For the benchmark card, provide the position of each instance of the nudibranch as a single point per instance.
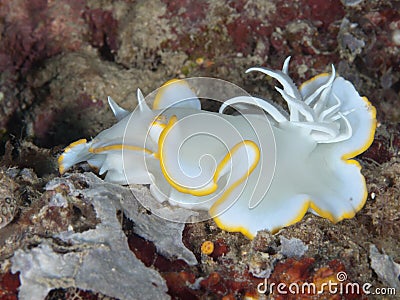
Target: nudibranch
(259, 168)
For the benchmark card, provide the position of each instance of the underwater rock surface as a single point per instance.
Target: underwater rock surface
(100, 259)
(56, 71)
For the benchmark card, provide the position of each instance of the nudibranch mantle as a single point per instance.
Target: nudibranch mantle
(261, 168)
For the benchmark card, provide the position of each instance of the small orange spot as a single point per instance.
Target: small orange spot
(200, 61)
(207, 247)
(208, 63)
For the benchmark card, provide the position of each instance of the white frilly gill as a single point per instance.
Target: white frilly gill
(262, 168)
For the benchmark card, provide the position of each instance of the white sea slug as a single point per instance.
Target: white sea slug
(260, 169)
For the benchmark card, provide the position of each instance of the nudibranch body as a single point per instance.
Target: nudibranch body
(261, 168)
